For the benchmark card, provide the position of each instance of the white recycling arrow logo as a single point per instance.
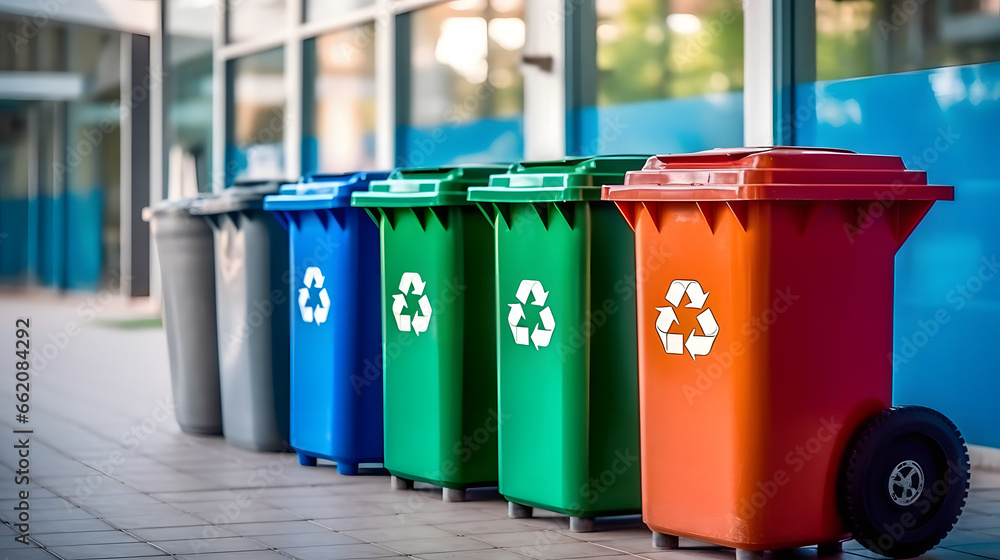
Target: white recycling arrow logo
(675, 343)
(542, 333)
(420, 320)
(314, 279)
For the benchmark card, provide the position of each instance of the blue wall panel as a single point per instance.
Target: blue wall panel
(656, 127)
(945, 121)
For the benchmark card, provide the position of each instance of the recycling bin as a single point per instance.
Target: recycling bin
(185, 249)
(439, 328)
(336, 331)
(251, 284)
(765, 337)
(568, 372)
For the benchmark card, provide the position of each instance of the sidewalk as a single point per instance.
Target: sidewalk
(112, 476)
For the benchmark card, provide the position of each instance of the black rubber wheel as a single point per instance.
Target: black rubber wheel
(904, 481)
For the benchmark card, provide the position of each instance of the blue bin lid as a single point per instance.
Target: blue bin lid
(322, 191)
(239, 197)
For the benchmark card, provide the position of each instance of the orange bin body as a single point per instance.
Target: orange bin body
(743, 431)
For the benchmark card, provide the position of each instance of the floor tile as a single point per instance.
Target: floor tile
(103, 551)
(328, 538)
(988, 550)
(340, 552)
(487, 554)
(248, 555)
(155, 521)
(934, 554)
(181, 533)
(522, 538)
(26, 554)
(249, 516)
(485, 527)
(279, 528)
(442, 544)
(76, 525)
(372, 522)
(90, 537)
(205, 546)
(552, 551)
(397, 533)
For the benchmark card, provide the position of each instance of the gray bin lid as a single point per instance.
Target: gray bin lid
(239, 197)
(171, 207)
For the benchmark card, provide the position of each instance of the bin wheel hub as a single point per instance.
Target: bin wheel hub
(906, 482)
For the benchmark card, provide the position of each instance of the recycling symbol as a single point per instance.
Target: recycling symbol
(542, 333)
(421, 319)
(314, 278)
(675, 343)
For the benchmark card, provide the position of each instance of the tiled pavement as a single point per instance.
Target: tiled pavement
(113, 477)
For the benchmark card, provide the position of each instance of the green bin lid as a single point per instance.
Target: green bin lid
(428, 186)
(566, 180)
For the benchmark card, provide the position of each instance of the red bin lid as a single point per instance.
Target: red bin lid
(775, 173)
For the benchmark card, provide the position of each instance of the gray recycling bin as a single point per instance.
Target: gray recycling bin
(187, 268)
(251, 278)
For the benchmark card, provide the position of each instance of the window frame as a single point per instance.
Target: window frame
(555, 28)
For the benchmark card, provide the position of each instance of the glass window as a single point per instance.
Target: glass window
(461, 91)
(188, 100)
(339, 122)
(256, 114)
(656, 76)
(247, 19)
(324, 9)
(857, 38)
(14, 195)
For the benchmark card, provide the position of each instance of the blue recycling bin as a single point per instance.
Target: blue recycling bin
(336, 333)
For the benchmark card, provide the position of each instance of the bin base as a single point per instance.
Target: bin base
(306, 460)
(201, 430)
(663, 541)
(344, 467)
(452, 495)
(259, 446)
(518, 511)
(749, 554)
(397, 483)
(581, 524)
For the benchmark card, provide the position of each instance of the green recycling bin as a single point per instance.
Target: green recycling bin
(439, 328)
(568, 367)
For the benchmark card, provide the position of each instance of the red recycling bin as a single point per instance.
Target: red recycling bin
(765, 285)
